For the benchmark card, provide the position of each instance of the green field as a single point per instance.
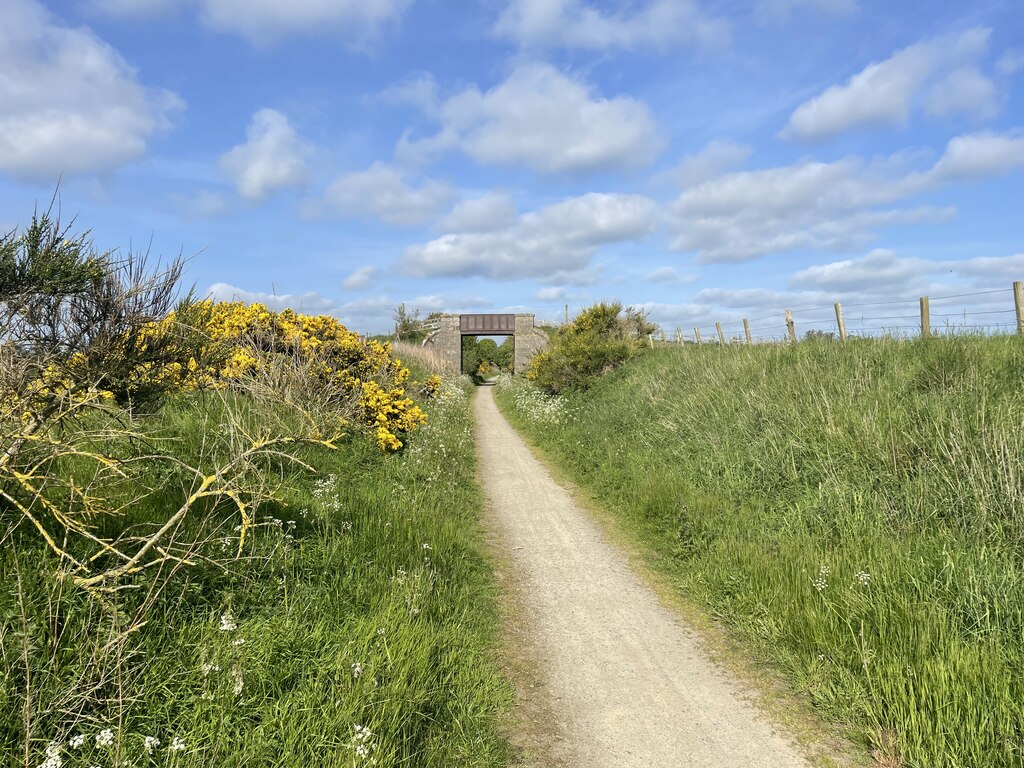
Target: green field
(358, 630)
(851, 512)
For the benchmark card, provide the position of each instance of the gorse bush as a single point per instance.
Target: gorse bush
(149, 448)
(599, 340)
(79, 366)
(243, 337)
(852, 511)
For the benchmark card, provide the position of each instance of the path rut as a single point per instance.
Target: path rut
(629, 681)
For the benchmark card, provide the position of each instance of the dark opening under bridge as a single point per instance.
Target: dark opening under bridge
(447, 339)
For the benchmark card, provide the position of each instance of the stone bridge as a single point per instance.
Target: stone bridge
(447, 339)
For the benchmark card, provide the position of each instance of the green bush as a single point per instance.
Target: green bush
(599, 340)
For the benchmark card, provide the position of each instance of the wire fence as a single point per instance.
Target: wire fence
(989, 312)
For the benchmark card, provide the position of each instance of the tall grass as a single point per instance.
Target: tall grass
(357, 631)
(428, 358)
(853, 512)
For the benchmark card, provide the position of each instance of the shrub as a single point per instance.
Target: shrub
(90, 350)
(599, 340)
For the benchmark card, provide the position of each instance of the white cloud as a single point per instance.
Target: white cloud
(882, 274)
(376, 314)
(964, 91)
(560, 238)
(420, 91)
(546, 120)
(382, 192)
(860, 284)
(494, 210)
(883, 92)
(360, 279)
(310, 302)
(551, 293)
(272, 158)
(71, 103)
(133, 7)
(589, 275)
(204, 204)
(979, 156)
(670, 275)
(881, 270)
(576, 24)
(988, 269)
(827, 206)
(683, 316)
(268, 21)
(810, 205)
(1011, 62)
(716, 158)
(769, 10)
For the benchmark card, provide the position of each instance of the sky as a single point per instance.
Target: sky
(706, 160)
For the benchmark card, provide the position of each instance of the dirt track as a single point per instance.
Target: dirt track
(626, 678)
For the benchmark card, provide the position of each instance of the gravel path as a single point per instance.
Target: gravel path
(629, 682)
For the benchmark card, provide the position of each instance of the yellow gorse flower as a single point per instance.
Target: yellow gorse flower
(363, 367)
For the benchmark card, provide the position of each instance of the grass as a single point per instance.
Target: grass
(361, 634)
(851, 512)
(426, 357)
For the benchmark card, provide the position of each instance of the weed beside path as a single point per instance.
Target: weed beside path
(360, 632)
(850, 512)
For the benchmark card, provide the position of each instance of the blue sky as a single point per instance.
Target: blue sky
(707, 160)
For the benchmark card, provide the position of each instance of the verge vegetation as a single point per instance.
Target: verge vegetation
(597, 341)
(228, 536)
(852, 512)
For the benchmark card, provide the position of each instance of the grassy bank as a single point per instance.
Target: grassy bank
(851, 512)
(357, 630)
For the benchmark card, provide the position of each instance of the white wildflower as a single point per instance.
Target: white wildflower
(357, 670)
(227, 622)
(239, 681)
(53, 758)
(151, 743)
(238, 641)
(820, 584)
(361, 741)
(77, 741)
(177, 744)
(864, 578)
(105, 738)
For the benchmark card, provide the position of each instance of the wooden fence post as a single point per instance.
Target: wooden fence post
(789, 326)
(679, 336)
(746, 331)
(840, 321)
(721, 336)
(926, 319)
(696, 333)
(1018, 302)
(650, 338)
